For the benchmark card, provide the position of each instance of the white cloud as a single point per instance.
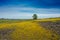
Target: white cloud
(26, 12)
(48, 15)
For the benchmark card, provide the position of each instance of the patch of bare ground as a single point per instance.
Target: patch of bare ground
(5, 34)
(51, 25)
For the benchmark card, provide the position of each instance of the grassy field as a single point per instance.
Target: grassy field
(41, 29)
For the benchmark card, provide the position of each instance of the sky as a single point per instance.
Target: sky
(24, 9)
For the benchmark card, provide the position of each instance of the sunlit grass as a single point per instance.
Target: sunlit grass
(29, 30)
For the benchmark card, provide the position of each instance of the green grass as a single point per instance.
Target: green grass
(27, 30)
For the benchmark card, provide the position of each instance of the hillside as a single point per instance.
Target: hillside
(42, 29)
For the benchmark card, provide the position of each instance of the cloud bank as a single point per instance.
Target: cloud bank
(27, 12)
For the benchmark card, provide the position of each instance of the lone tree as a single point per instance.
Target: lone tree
(34, 16)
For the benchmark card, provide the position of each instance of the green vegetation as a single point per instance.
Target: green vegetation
(34, 16)
(43, 29)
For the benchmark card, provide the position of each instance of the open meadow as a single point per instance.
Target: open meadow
(40, 29)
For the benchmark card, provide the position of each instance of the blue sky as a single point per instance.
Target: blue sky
(24, 9)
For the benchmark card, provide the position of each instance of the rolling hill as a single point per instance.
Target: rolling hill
(42, 29)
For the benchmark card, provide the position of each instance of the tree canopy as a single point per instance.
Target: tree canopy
(34, 16)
